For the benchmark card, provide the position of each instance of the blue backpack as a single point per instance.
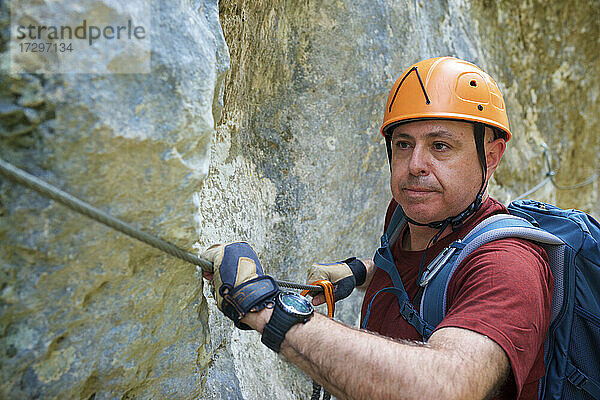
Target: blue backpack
(571, 240)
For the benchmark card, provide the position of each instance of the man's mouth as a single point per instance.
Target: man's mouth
(417, 189)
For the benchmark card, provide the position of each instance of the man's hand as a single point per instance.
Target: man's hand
(240, 286)
(345, 276)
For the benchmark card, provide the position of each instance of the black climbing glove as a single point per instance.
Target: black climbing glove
(239, 282)
(345, 275)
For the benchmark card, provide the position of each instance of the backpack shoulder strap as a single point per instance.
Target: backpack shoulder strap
(396, 225)
(437, 275)
(384, 260)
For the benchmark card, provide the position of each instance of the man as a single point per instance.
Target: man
(446, 130)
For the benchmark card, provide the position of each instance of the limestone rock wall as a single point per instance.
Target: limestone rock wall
(88, 313)
(259, 121)
(545, 55)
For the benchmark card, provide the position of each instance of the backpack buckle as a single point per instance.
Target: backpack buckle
(407, 311)
(577, 378)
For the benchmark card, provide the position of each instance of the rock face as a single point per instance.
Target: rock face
(291, 95)
(87, 312)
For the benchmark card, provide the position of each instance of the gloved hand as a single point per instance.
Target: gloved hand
(240, 286)
(345, 276)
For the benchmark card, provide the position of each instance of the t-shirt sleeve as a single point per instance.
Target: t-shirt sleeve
(503, 290)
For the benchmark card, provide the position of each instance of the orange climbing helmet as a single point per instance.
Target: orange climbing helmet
(446, 88)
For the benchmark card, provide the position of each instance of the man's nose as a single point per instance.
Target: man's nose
(419, 161)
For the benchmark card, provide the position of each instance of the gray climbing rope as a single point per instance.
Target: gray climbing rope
(551, 177)
(45, 189)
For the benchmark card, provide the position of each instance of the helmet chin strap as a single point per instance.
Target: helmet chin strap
(457, 221)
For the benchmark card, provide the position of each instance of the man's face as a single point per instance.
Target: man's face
(436, 172)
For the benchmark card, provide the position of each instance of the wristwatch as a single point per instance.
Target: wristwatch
(289, 309)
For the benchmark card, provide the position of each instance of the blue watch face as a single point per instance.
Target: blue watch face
(296, 303)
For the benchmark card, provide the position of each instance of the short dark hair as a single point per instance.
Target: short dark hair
(499, 133)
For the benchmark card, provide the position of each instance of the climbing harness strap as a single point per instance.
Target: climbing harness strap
(45, 189)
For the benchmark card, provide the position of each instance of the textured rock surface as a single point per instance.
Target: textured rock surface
(296, 167)
(545, 55)
(87, 312)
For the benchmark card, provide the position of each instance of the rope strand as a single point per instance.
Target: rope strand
(45, 189)
(550, 176)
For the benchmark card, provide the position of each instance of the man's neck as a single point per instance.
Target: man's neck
(416, 238)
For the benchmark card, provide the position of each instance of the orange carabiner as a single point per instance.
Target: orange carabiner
(328, 291)
(330, 301)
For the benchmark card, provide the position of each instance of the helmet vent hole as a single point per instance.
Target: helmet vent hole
(480, 107)
(473, 83)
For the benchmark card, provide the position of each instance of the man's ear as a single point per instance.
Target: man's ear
(493, 153)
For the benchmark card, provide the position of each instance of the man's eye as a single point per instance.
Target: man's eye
(402, 145)
(440, 146)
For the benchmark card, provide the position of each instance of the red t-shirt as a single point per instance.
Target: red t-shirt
(502, 290)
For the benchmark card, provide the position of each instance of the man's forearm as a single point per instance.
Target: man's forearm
(353, 364)
(294, 348)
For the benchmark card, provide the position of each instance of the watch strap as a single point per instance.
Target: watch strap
(280, 323)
